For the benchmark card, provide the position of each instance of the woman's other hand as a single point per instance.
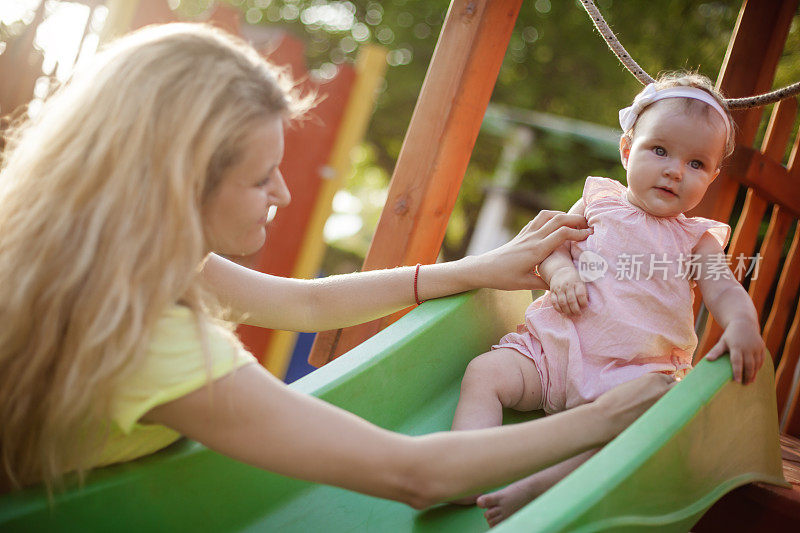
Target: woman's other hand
(623, 404)
(511, 266)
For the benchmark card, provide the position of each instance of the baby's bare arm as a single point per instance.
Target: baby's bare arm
(559, 259)
(567, 290)
(732, 308)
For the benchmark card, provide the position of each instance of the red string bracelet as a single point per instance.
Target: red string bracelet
(416, 291)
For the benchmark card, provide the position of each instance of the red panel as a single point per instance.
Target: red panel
(308, 150)
(152, 12)
(227, 18)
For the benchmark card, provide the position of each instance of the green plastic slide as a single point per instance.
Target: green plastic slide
(705, 437)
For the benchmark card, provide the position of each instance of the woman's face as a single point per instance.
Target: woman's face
(235, 214)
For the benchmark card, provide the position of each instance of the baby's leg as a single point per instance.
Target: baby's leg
(493, 380)
(503, 503)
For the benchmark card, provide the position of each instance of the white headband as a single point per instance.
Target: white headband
(628, 116)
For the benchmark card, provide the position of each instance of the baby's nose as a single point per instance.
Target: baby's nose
(673, 171)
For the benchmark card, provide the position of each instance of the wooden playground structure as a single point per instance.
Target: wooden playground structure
(757, 187)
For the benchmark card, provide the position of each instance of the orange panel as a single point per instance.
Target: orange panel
(226, 17)
(771, 252)
(152, 12)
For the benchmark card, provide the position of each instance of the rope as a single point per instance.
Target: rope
(616, 46)
(644, 78)
(764, 99)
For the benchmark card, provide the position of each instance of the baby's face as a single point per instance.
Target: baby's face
(672, 159)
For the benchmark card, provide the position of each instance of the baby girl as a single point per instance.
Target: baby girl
(620, 302)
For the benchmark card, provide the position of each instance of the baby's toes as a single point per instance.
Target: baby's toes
(486, 501)
(495, 518)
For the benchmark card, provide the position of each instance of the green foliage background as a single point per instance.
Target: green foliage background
(556, 63)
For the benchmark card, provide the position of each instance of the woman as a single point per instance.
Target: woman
(113, 205)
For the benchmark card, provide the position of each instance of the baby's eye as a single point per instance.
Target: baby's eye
(263, 182)
(659, 151)
(695, 164)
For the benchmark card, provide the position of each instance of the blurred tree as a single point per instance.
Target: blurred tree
(556, 63)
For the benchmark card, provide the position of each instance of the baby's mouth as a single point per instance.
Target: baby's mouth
(666, 190)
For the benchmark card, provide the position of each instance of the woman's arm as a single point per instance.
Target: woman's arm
(258, 420)
(340, 301)
(732, 308)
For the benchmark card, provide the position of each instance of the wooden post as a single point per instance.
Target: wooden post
(749, 68)
(436, 150)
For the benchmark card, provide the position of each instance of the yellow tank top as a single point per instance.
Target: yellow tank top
(175, 365)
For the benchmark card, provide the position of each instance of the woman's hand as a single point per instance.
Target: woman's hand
(253, 417)
(512, 265)
(623, 404)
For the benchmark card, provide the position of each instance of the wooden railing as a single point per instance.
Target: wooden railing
(773, 286)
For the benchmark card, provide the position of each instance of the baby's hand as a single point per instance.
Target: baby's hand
(568, 291)
(743, 340)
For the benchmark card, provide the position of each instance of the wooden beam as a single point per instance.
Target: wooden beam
(436, 150)
(749, 68)
(779, 184)
(767, 177)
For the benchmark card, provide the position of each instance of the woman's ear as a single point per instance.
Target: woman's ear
(624, 150)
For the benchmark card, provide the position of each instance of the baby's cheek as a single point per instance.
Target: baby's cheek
(697, 196)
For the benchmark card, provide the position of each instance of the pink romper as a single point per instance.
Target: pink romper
(633, 325)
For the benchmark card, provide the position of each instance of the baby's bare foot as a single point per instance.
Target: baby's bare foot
(503, 503)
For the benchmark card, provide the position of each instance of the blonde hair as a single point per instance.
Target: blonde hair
(689, 105)
(100, 227)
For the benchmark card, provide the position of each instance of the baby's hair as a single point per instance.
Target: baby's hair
(689, 105)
